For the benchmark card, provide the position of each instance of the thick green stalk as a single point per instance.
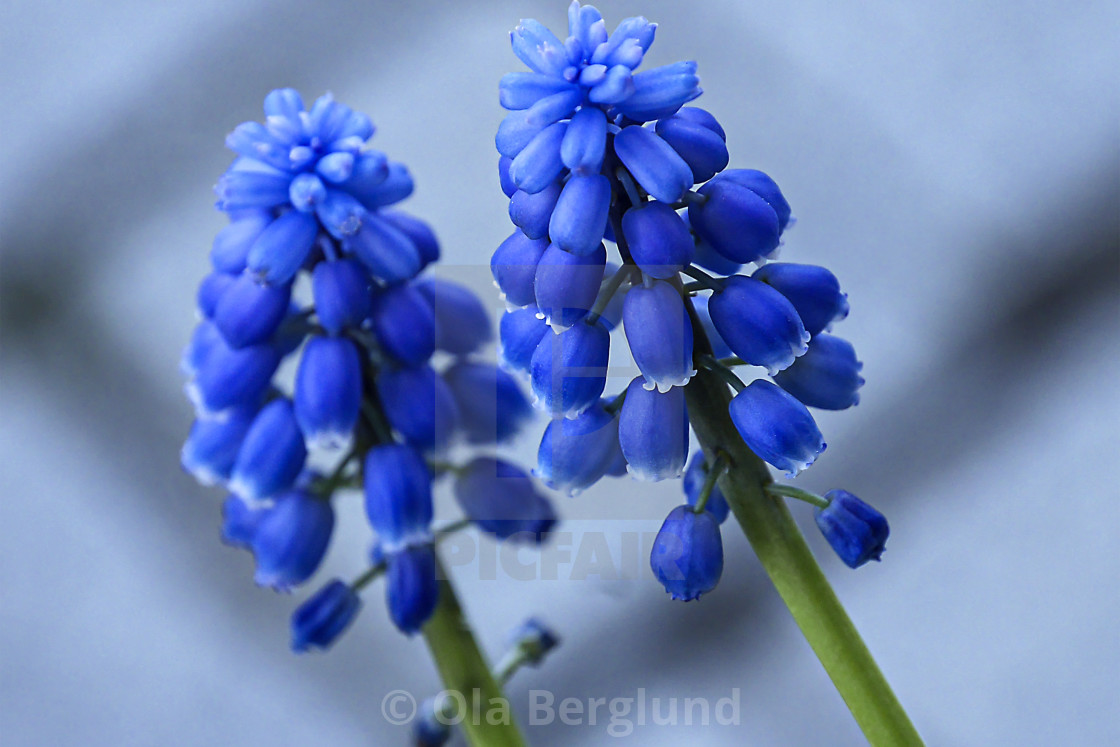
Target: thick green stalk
(778, 543)
(488, 721)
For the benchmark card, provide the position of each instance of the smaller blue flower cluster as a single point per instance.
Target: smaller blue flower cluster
(314, 266)
(582, 166)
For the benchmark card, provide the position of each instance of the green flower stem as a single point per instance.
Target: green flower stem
(788, 491)
(778, 543)
(464, 670)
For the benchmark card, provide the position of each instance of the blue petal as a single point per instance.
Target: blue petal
(230, 378)
(291, 540)
(813, 291)
(341, 291)
(734, 220)
(585, 142)
(514, 267)
(758, 323)
(211, 449)
(501, 499)
(283, 247)
(398, 496)
(241, 190)
(419, 406)
(539, 164)
(617, 85)
(520, 332)
(249, 313)
(340, 213)
(396, 186)
(384, 249)
(538, 48)
(462, 322)
(659, 240)
(554, 108)
(661, 91)
(492, 408)
(271, 456)
(579, 220)
(569, 370)
(336, 167)
(508, 187)
(827, 376)
(230, 251)
(306, 191)
(421, 234)
(765, 187)
(514, 133)
(575, 453)
(210, 292)
(687, 555)
(653, 432)
(856, 531)
(776, 427)
(659, 332)
(411, 587)
(328, 392)
(567, 285)
(521, 90)
(701, 148)
(531, 212)
(653, 163)
(319, 621)
(405, 325)
(240, 522)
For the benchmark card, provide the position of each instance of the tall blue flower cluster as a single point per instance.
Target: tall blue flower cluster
(595, 152)
(318, 268)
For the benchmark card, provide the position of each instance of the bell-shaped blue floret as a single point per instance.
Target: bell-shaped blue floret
(538, 48)
(396, 186)
(230, 252)
(251, 185)
(661, 91)
(827, 376)
(520, 331)
(492, 407)
(514, 267)
(585, 142)
(653, 163)
(734, 220)
(534, 639)
(569, 370)
(211, 290)
(538, 164)
(211, 448)
(660, 334)
(240, 521)
(340, 213)
(282, 248)
(230, 378)
(567, 284)
(249, 312)
(398, 496)
(419, 405)
(693, 483)
(271, 456)
(813, 291)
(521, 90)
(328, 392)
(700, 145)
(687, 555)
(653, 432)
(575, 453)
(766, 188)
(318, 622)
(419, 232)
(776, 427)
(462, 322)
(514, 133)
(291, 540)
(758, 323)
(719, 347)
(532, 212)
(500, 498)
(341, 291)
(411, 587)
(856, 531)
(580, 218)
(384, 249)
(659, 240)
(405, 324)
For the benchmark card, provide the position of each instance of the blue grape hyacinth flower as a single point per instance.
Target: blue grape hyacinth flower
(687, 555)
(319, 621)
(856, 531)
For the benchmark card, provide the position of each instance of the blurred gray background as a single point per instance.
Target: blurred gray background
(956, 164)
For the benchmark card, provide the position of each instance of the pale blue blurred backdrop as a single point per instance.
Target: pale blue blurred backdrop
(957, 164)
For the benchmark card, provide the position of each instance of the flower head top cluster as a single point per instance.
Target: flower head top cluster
(591, 153)
(312, 266)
